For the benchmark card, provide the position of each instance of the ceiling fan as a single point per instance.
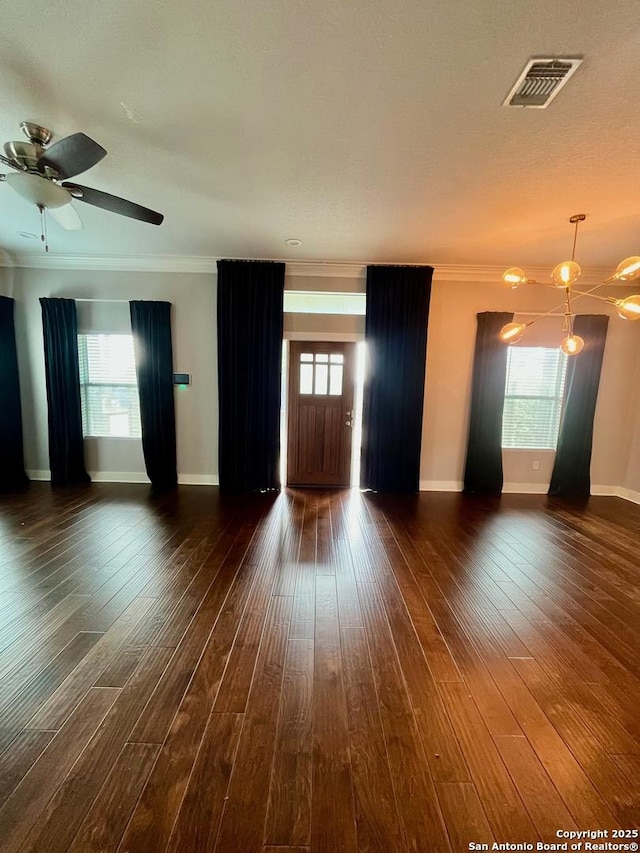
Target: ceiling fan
(42, 171)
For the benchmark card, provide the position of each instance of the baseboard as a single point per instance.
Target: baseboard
(118, 477)
(508, 488)
(440, 485)
(138, 477)
(132, 477)
(39, 475)
(525, 488)
(629, 495)
(531, 489)
(425, 485)
(198, 480)
(606, 491)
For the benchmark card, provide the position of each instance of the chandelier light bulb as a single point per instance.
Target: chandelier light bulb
(514, 277)
(629, 308)
(628, 269)
(572, 345)
(564, 276)
(512, 332)
(566, 273)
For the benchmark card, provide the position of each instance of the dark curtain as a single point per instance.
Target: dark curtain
(571, 471)
(151, 327)
(483, 469)
(66, 445)
(11, 456)
(396, 337)
(250, 326)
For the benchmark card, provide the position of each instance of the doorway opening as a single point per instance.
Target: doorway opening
(321, 424)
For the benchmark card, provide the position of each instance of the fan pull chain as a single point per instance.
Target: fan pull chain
(43, 227)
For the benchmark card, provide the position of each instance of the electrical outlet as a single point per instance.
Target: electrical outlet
(536, 465)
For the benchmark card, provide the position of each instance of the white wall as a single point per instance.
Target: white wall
(452, 324)
(194, 348)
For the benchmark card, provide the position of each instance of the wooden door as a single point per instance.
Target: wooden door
(321, 391)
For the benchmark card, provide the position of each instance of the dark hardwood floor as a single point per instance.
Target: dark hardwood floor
(316, 671)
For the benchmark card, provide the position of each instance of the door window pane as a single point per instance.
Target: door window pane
(306, 379)
(322, 377)
(321, 373)
(335, 380)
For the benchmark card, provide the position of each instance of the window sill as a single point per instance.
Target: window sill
(529, 449)
(112, 438)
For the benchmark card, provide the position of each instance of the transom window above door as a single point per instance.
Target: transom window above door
(321, 373)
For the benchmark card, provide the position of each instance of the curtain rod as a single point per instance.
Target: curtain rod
(101, 300)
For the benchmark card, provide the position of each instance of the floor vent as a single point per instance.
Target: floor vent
(540, 82)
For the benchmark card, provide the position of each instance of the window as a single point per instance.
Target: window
(316, 302)
(108, 386)
(533, 397)
(321, 373)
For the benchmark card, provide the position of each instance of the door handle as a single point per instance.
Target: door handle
(349, 418)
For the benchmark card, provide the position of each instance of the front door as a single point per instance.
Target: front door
(321, 391)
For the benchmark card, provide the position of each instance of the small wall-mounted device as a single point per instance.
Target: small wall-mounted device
(182, 379)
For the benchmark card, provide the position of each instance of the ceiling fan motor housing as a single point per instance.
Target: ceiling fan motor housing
(36, 133)
(24, 154)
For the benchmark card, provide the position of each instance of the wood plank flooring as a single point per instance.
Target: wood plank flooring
(317, 671)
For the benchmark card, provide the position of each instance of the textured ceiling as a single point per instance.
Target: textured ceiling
(370, 130)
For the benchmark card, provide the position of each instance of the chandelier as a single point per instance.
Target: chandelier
(564, 277)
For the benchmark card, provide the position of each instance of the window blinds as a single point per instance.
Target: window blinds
(533, 397)
(108, 386)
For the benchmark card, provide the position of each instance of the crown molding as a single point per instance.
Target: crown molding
(493, 274)
(207, 265)
(111, 263)
(166, 263)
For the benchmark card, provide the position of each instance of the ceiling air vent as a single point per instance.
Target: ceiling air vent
(540, 82)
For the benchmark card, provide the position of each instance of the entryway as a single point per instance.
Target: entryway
(321, 413)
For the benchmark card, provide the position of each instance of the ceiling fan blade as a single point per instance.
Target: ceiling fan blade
(66, 217)
(114, 204)
(72, 155)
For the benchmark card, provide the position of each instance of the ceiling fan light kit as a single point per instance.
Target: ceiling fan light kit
(40, 169)
(564, 276)
(38, 191)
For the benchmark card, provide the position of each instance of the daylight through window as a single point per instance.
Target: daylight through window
(533, 397)
(321, 373)
(108, 386)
